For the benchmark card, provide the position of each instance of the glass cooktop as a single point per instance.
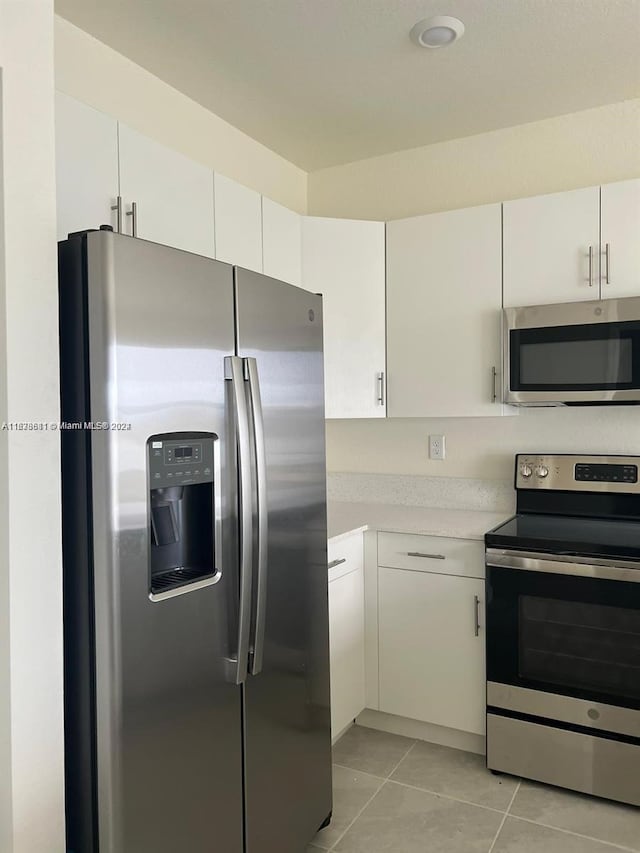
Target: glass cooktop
(561, 534)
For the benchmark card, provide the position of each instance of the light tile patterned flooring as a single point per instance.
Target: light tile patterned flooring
(397, 795)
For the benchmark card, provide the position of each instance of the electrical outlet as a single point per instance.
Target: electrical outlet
(436, 447)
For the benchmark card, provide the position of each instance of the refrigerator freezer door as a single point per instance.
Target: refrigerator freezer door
(169, 749)
(286, 705)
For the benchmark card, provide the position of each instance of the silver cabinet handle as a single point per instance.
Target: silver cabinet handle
(118, 209)
(426, 556)
(381, 389)
(494, 377)
(335, 563)
(590, 266)
(251, 373)
(233, 371)
(476, 602)
(133, 213)
(607, 259)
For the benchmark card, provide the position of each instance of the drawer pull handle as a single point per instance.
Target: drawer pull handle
(335, 563)
(426, 556)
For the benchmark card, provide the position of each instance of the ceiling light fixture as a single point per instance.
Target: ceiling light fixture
(440, 31)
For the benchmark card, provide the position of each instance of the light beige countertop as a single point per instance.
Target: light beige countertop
(345, 518)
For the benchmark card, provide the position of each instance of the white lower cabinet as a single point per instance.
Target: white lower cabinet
(431, 644)
(346, 632)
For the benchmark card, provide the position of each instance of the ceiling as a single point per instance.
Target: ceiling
(324, 82)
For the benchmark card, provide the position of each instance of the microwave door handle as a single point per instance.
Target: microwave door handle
(234, 373)
(251, 373)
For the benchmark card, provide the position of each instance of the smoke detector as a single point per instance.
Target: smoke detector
(440, 31)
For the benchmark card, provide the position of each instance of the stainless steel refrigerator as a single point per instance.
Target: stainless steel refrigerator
(195, 567)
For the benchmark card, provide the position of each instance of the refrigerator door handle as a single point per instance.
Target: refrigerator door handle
(234, 372)
(251, 373)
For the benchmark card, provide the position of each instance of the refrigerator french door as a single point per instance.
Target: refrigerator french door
(194, 536)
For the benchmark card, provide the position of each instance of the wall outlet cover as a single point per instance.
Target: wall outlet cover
(436, 447)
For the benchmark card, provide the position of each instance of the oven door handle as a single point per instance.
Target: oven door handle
(586, 567)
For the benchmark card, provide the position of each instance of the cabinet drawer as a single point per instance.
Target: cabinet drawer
(345, 555)
(462, 557)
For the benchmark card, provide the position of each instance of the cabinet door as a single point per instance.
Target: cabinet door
(238, 224)
(431, 661)
(281, 242)
(620, 262)
(344, 260)
(346, 649)
(86, 166)
(444, 297)
(174, 195)
(550, 247)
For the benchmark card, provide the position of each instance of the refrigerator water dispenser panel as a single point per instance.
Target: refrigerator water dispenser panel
(183, 527)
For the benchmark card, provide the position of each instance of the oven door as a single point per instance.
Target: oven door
(585, 352)
(563, 629)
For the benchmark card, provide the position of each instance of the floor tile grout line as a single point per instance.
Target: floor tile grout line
(355, 770)
(377, 791)
(401, 760)
(513, 799)
(447, 796)
(504, 817)
(383, 780)
(575, 834)
(424, 790)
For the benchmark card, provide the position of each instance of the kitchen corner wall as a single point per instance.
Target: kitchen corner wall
(581, 149)
(92, 72)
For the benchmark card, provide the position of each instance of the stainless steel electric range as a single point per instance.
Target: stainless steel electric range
(563, 626)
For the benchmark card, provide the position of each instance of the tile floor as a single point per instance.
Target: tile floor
(397, 795)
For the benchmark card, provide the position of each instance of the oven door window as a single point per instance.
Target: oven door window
(590, 357)
(564, 634)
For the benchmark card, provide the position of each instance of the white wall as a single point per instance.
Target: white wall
(479, 447)
(588, 147)
(581, 149)
(31, 762)
(93, 73)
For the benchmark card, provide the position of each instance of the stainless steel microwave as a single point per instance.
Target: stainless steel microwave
(572, 353)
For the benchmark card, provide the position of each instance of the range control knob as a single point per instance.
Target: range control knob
(542, 471)
(526, 471)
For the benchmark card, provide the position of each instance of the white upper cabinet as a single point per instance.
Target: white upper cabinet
(281, 242)
(344, 260)
(238, 224)
(551, 246)
(173, 195)
(620, 239)
(86, 166)
(444, 294)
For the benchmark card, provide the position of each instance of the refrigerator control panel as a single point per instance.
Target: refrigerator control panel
(175, 462)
